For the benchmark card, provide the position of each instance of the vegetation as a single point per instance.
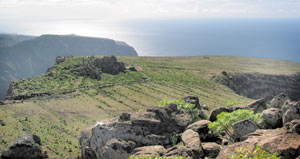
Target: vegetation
(225, 121)
(256, 153)
(231, 103)
(59, 121)
(153, 157)
(186, 107)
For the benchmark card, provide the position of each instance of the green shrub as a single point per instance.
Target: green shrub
(155, 157)
(230, 103)
(225, 121)
(186, 107)
(257, 153)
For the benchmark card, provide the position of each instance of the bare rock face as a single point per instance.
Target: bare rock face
(281, 141)
(272, 118)
(201, 127)
(156, 126)
(156, 150)
(291, 111)
(184, 151)
(25, 147)
(293, 126)
(191, 139)
(211, 149)
(117, 148)
(195, 100)
(279, 100)
(243, 128)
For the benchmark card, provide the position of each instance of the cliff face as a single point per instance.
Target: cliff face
(32, 57)
(255, 86)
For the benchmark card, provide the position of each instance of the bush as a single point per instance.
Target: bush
(257, 153)
(153, 157)
(186, 107)
(225, 121)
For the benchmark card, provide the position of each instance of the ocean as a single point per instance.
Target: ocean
(267, 38)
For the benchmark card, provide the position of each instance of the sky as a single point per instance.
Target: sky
(110, 18)
(100, 17)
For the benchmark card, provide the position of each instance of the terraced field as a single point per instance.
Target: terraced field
(60, 118)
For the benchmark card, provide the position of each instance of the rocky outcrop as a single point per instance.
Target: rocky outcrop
(190, 138)
(291, 111)
(255, 86)
(257, 106)
(117, 148)
(272, 118)
(25, 147)
(211, 149)
(156, 126)
(156, 150)
(284, 143)
(201, 127)
(39, 53)
(92, 67)
(243, 128)
(279, 100)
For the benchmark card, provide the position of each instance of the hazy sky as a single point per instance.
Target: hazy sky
(98, 17)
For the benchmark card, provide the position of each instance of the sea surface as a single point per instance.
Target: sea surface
(268, 38)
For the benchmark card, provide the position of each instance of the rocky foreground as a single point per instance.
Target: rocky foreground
(169, 131)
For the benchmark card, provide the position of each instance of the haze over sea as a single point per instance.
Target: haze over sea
(265, 37)
(273, 38)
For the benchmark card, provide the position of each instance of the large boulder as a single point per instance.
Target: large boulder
(258, 105)
(211, 149)
(156, 126)
(25, 147)
(156, 150)
(243, 128)
(117, 148)
(201, 127)
(281, 141)
(291, 111)
(191, 139)
(272, 118)
(279, 100)
(293, 126)
(184, 151)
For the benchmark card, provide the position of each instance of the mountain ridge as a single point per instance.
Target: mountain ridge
(32, 57)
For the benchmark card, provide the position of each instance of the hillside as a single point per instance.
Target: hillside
(32, 57)
(58, 105)
(7, 40)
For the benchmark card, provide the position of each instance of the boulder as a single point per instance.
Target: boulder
(272, 118)
(25, 147)
(216, 112)
(243, 128)
(293, 126)
(281, 141)
(258, 105)
(201, 127)
(279, 100)
(117, 148)
(211, 149)
(291, 111)
(156, 150)
(191, 139)
(195, 100)
(156, 126)
(184, 151)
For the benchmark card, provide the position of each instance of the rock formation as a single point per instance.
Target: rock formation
(168, 131)
(25, 147)
(255, 86)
